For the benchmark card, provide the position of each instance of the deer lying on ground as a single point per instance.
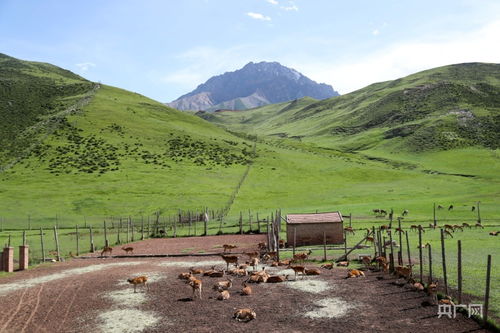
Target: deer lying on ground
(298, 269)
(244, 315)
(230, 260)
(139, 280)
(494, 233)
(184, 276)
(258, 277)
(210, 271)
(343, 263)
(327, 266)
(403, 271)
(277, 278)
(195, 284)
(238, 272)
(196, 270)
(223, 285)
(354, 273)
(246, 291)
(301, 256)
(224, 295)
(128, 250)
(228, 247)
(284, 262)
(107, 249)
(313, 271)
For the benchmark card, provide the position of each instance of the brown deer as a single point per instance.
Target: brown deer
(224, 295)
(247, 290)
(139, 280)
(349, 230)
(230, 260)
(313, 271)
(228, 247)
(354, 273)
(195, 284)
(244, 315)
(298, 269)
(327, 266)
(277, 278)
(223, 285)
(107, 249)
(302, 256)
(128, 250)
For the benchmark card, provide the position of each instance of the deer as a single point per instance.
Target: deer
(403, 271)
(230, 260)
(196, 270)
(459, 227)
(195, 284)
(450, 208)
(228, 247)
(494, 233)
(298, 269)
(385, 227)
(128, 250)
(184, 276)
(107, 249)
(466, 225)
(247, 290)
(252, 255)
(369, 239)
(138, 280)
(405, 212)
(343, 264)
(349, 230)
(210, 271)
(313, 271)
(478, 225)
(447, 233)
(284, 262)
(327, 266)
(281, 243)
(238, 272)
(223, 295)
(367, 260)
(354, 273)
(400, 230)
(301, 256)
(244, 315)
(223, 285)
(261, 246)
(432, 226)
(432, 292)
(254, 263)
(414, 227)
(277, 279)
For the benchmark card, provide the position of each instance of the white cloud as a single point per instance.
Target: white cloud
(85, 66)
(290, 7)
(272, 2)
(375, 32)
(258, 16)
(404, 58)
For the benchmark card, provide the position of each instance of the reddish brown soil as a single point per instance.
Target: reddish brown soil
(72, 304)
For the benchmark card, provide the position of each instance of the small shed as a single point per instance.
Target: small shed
(310, 228)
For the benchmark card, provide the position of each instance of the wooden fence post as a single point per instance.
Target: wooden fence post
(408, 248)
(487, 291)
(241, 223)
(350, 219)
(434, 215)
(29, 222)
(142, 228)
(56, 238)
(391, 255)
(131, 227)
(459, 270)
(106, 241)
(384, 247)
(41, 243)
(400, 250)
(205, 222)
(268, 235)
(250, 220)
(324, 246)
(128, 232)
(443, 253)
(294, 239)
(345, 245)
(258, 223)
(420, 254)
(77, 241)
(478, 213)
(430, 264)
(92, 246)
(118, 240)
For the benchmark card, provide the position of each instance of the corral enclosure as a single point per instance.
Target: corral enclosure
(312, 229)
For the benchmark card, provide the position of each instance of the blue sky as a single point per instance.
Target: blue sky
(163, 49)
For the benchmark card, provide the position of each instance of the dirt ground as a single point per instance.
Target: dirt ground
(92, 295)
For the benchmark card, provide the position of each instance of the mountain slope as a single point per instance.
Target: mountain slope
(255, 84)
(447, 107)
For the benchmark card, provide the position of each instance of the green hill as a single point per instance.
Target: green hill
(454, 106)
(102, 151)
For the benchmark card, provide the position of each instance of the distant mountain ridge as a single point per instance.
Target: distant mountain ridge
(256, 84)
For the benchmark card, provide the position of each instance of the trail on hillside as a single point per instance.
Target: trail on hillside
(50, 125)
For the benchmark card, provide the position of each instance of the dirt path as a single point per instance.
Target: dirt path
(93, 295)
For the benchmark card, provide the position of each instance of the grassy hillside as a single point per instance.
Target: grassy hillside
(31, 93)
(444, 108)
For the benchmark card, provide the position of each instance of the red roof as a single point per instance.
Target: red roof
(315, 218)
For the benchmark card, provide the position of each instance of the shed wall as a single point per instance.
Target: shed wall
(312, 233)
